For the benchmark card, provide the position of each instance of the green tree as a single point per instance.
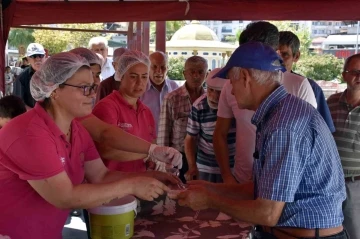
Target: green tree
(320, 67)
(302, 32)
(176, 68)
(171, 28)
(233, 39)
(81, 39)
(53, 40)
(21, 37)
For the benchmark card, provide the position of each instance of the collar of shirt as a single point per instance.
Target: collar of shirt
(166, 86)
(272, 100)
(184, 92)
(107, 63)
(122, 101)
(50, 122)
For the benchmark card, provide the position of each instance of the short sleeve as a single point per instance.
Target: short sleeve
(224, 107)
(283, 165)
(106, 112)
(193, 124)
(33, 158)
(90, 151)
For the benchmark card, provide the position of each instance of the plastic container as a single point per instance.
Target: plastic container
(114, 220)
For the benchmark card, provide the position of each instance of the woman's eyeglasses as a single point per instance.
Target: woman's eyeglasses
(37, 55)
(87, 89)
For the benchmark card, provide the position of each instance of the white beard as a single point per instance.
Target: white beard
(212, 105)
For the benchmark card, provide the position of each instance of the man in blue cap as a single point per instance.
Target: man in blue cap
(298, 186)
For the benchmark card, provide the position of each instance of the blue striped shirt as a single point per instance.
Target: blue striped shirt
(296, 161)
(201, 122)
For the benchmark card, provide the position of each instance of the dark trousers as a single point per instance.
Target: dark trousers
(259, 233)
(184, 169)
(87, 222)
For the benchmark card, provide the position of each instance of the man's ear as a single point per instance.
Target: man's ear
(297, 56)
(244, 73)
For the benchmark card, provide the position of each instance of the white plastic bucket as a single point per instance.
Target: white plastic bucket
(114, 220)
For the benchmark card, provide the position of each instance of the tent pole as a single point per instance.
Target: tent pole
(146, 37)
(161, 36)
(357, 38)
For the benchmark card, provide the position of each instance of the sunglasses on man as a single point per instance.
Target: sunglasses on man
(37, 55)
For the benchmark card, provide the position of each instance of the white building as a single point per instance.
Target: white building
(326, 28)
(200, 40)
(225, 28)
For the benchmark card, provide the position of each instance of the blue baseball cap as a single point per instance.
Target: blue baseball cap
(255, 55)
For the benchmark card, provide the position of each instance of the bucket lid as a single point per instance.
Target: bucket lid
(116, 206)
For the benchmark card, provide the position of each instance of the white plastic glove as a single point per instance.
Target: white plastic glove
(166, 154)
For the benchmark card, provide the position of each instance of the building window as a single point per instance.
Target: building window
(169, 53)
(226, 30)
(175, 53)
(206, 53)
(329, 23)
(226, 21)
(213, 63)
(314, 31)
(183, 53)
(214, 54)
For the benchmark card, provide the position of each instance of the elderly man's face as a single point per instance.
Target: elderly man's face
(351, 74)
(213, 97)
(36, 61)
(158, 68)
(101, 49)
(240, 88)
(195, 74)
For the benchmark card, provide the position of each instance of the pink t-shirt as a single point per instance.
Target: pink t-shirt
(32, 147)
(113, 109)
(245, 133)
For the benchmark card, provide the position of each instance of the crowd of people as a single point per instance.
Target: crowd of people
(259, 143)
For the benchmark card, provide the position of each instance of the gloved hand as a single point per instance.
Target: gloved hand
(166, 154)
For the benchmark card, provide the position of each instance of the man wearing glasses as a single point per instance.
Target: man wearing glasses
(35, 54)
(345, 112)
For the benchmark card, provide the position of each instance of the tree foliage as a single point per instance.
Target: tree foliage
(233, 39)
(57, 41)
(176, 68)
(20, 37)
(81, 39)
(320, 67)
(54, 41)
(171, 28)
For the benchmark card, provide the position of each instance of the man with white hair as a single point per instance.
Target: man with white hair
(298, 186)
(299, 86)
(100, 45)
(199, 148)
(158, 85)
(111, 83)
(35, 54)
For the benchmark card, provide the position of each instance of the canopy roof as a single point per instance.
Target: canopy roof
(55, 11)
(31, 12)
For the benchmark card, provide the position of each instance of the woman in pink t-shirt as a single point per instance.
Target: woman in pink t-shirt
(45, 156)
(124, 109)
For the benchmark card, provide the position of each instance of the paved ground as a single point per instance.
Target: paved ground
(74, 228)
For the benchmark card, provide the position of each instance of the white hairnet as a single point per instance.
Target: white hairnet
(55, 71)
(128, 60)
(215, 83)
(89, 55)
(118, 52)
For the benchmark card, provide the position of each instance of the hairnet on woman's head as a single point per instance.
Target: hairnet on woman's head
(89, 55)
(55, 71)
(128, 60)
